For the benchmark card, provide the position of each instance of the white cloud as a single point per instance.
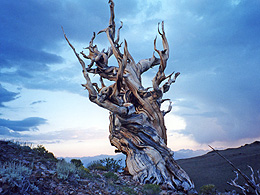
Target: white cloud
(74, 148)
(177, 141)
(174, 122)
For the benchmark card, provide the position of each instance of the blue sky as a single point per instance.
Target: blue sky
(214, 44)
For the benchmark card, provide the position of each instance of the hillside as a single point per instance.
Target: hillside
(212, 169)
(27, 170)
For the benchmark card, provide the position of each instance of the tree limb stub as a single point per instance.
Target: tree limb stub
(137, 126)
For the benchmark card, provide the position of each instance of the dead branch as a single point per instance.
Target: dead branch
(233, 183)
(251, 183)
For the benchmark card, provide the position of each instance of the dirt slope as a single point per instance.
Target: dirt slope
(212, 169)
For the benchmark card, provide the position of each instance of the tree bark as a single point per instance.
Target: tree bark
(137, 126)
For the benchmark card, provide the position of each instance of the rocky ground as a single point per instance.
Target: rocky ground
(27, 170)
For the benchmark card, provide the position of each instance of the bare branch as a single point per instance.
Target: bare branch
(164, 41)
(169, 108)
(91, 41)
(118, 33)
(164, 55)
(120, 72)
(93, 96)
(170, 81)
(89, 86)
(112, 24)
(146, 64)
(160, 76)
(233, 183)
(248, 181)
(252, 174)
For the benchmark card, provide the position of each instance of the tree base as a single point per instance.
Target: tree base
(148, 159)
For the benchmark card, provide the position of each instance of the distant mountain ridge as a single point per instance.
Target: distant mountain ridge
(207, 168)
(88, 159)
(212, 169)
(180, 154)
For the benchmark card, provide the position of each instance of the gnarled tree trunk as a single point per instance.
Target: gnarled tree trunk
(137, 126)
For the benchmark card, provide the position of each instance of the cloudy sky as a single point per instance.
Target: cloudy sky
(214, 44)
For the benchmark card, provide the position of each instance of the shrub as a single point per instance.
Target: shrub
(76, 162)
(64, 169)
(151, 189)
(96, 165)
(111, 175)
(26, 148)
(101, 168)
(107, 164)
(129, 191)
(83, 172)
(41, 151)
(14, 171)
(17, 175)
(209, 189)
(111, 164)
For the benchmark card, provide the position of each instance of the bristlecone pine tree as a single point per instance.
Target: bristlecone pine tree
(137, 126)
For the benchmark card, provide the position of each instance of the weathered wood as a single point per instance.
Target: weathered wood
(137, 126)
(250, 182)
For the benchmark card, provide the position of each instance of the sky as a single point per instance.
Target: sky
(215, 45)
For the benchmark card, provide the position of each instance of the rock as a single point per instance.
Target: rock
(51, 172)
(118, 182)
(43, 167)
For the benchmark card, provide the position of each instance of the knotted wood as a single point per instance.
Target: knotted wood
(137, 126)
